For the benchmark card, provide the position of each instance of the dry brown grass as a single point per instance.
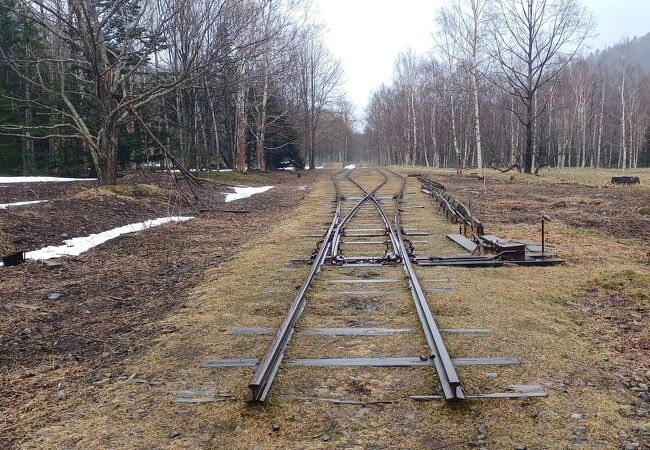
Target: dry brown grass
(123, 191)
(531, 313)
(586, 177)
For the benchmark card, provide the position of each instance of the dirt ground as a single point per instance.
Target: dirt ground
(98, 367)
(109, 301)
(574, 200)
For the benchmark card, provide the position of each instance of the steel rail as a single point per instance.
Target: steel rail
(260, 384)
(340, 228)
(449, 380)
(380, 209)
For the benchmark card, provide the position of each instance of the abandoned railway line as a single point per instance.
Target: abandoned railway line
(374, 305)
(366, 243)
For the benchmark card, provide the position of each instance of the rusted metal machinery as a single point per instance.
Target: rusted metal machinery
(495, 251)
(453, 210)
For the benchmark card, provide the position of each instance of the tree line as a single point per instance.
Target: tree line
(185, 84)
(505, 86)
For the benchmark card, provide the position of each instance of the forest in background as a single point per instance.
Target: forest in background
(505, 86)
(90, 86)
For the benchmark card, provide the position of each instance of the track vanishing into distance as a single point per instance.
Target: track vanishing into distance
(360, 215)
(361, 312)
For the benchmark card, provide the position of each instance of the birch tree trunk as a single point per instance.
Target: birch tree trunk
(459, 159)
(600, 124)
(261, 126)
(215, 129)
(477, 125)
(623, 156)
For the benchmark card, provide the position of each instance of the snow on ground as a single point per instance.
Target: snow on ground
(245, 192)
(211, 170)
(79, 245)
(293, 168)
(41, 179)
(350, 166)
(9, 205)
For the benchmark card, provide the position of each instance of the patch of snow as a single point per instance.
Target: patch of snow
(293, 168)
(211, 170)
(8, 205)
(41, 179)
(79, 245)
(350, 166)
(245, 192)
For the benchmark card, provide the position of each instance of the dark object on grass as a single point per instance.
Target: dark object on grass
(626, 180)
(14, 259)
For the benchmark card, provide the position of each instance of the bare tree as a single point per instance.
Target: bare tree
(406, 74)
(105, 53)
(464, 22)
(533, 40)
(450, 50)
(316, 77)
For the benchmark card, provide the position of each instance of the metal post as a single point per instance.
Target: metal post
(543, 234)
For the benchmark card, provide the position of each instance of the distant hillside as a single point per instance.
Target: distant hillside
(636, 51)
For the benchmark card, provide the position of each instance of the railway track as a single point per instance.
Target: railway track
(362, 308)
(367, 210)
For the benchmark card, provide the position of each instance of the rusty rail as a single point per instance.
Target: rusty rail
(340, 228)
(260, 384)
(449, 380)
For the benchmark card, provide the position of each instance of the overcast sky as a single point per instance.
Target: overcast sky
(367, 35)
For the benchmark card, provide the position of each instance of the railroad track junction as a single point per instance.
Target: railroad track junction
(363, 237)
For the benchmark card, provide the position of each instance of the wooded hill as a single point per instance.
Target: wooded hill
(635, 52)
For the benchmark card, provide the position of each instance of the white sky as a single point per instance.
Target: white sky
(367, 35)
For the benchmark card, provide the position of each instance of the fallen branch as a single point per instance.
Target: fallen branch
(514, 166)
(192, 180)
(235, 211)
(540, 167)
